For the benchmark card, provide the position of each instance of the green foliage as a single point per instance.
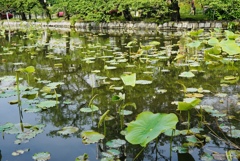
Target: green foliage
(222, 9)
(148, 126)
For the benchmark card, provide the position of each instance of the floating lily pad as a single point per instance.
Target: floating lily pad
(230, 47)
(143, 82)
(32, 109)
(89, 137)
(83, 157)
(47, 104)
(115, 143)
(187, 74)
(129, 79)
(116, 88)
(89, 109)
(109, 67)
(6, 126)
(206, 157)
(43, 156)
(68, 130)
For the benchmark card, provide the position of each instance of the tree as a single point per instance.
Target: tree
(44, 5)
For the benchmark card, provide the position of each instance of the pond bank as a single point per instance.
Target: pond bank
(181, 25)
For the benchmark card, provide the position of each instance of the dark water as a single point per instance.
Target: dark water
(72, 49)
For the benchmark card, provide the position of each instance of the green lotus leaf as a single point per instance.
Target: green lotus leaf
(213, 41)
(32, 109)
(155, 43)
(83, 157)
(30, 69)
(92, 108)
(194, 44)
(187, 74)
(216, 50)
(54, 84)
(192, 139)
(129, 79)
(47, 104)
(110, 154)
(230, 47)
(6, 126)
(148, 126)
(230, 35)
(206, 157)
(68, 130)
(196, 32)
(188, 104)
(115, 143)
(143, 82)
(109, 67)
(116, 88)
(89, 137)
(43, 156)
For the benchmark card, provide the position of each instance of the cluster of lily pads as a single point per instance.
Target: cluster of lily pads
(137, 67)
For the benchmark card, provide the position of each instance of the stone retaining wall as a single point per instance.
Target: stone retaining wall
(182, 25)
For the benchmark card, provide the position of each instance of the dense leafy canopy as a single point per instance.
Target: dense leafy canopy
(102, 10)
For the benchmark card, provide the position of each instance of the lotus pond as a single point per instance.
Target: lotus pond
(74, 95)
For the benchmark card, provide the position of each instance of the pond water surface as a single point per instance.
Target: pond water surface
(87, 67)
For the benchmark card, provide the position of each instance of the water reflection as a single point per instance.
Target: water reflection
(79, 53)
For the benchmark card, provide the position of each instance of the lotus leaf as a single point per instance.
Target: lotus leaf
(109, 67)
(129, 79)
(115, 143)
(91, 136)
(196, 32)
(54, 84)
(188, 104)
(206, 157)
(194, 44)
(30, 69)
(172, 132)
(111, 153)
(47, 104)
(43, 156)
(180, 149)
(143, 82)
(230, 35)
(116, 88)
(68, 130)
(192, 139)
(83, 157)
(230, 47)
(155, 43)
(213, 41)
(148, 126)
(187, 74)
(6, 126)
(92, 108)
(32, 109)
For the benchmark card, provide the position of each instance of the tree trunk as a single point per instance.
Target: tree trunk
(23, 15)
(127, 14)
(45, 7)
(174, 11)
(29, 16)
